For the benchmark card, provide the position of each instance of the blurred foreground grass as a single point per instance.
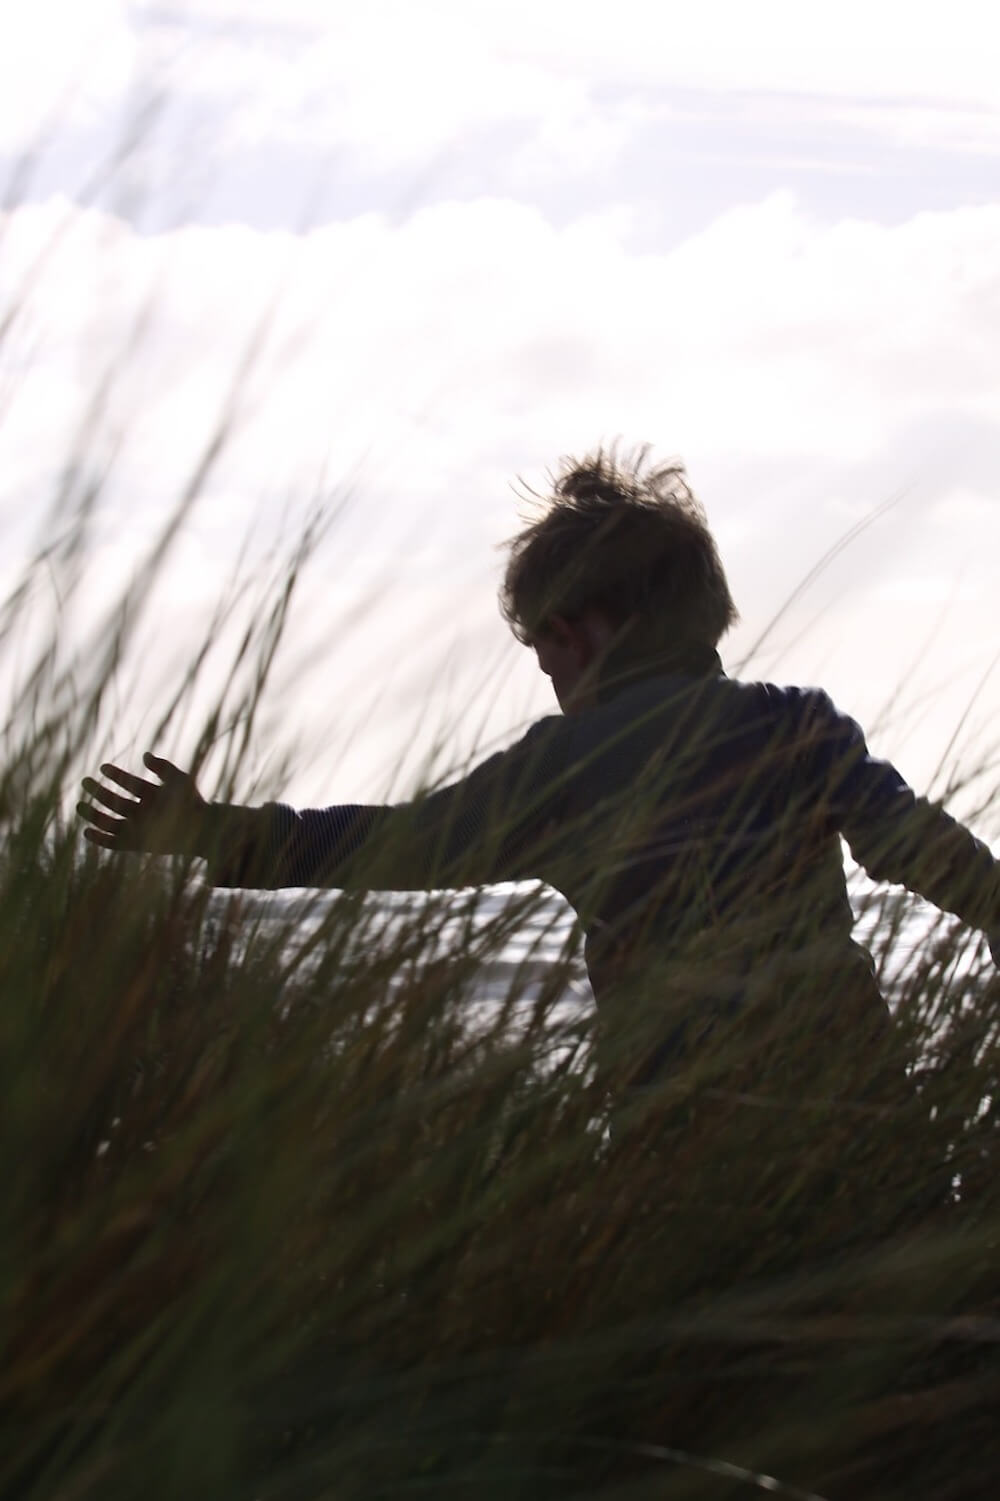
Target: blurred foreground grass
(282, 1225)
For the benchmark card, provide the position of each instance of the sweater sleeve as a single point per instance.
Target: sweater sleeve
(496, 824)
(894, 834)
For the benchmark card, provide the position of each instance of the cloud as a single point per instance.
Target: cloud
(396, 86)
(768, 334)
(895, 50)
(61, 65)
(804, 370)
(974, 132)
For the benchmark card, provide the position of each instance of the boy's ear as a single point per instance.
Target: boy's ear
(558, 628)
(588, 635)
(571, 635)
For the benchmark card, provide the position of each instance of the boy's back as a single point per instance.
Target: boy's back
(708, 806)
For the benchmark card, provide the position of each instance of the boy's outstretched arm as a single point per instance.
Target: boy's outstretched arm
(905, 839)
(263, 847)
(491, 825)
(242, 845)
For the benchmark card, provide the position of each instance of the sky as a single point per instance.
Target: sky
(411, 254)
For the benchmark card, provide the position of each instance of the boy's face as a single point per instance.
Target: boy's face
(570, 652)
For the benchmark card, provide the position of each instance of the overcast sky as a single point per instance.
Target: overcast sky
(433, 246)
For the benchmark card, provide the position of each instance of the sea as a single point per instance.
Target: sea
(538, 926)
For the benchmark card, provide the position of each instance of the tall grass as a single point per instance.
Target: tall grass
(279, 1221)
(286, 1214)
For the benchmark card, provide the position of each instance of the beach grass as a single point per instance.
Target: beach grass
(286, 1214)
(281, 1221)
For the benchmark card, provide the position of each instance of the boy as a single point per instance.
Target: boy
(692, 821)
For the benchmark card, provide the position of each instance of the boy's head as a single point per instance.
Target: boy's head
(620, 560)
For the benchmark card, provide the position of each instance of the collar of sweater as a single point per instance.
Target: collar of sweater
(622, 670)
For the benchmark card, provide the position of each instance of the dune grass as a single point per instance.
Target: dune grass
(285, 1216)
(279, 1222)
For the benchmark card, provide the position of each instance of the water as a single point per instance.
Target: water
(537, 938)
(537, 924)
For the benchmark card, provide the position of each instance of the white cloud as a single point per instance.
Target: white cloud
(899, 48)
(806, 367)
(767, 334)
(399, 85)
(396, 95)
(768, 330)
(970, 131)
(61, 63)
(891, 50)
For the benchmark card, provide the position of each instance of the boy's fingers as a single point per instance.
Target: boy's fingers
(136, 785)
(109, 799)
(100, 820)
(165, 770)
(94, 836)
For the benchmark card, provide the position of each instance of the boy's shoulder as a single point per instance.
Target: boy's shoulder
(731, 706)
(806, 711)
(807, 702)
(747, 697)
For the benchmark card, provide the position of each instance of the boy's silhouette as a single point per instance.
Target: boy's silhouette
(693, 821)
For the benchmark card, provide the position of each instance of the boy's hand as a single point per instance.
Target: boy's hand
(165, 818)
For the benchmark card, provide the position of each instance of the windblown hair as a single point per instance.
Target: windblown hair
(627, 537)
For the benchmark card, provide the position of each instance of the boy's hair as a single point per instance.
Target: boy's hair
(626, 537)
